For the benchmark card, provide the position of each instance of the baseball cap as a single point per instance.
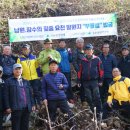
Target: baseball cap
(17, 66)
(125, 47)
(88, 46)
(53, 61)
(26, 46)
(48, 41)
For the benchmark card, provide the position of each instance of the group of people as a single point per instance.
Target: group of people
(28, 81)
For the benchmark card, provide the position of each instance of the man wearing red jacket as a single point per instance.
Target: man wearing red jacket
(91, 75)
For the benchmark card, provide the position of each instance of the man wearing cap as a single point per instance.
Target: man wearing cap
(78, 54)
(2, 84)
(91, 74)
(7, 60)
(30, 71)
(54, 85)
(48, 54)
(109, 62)
(124, 62)
(18, 99)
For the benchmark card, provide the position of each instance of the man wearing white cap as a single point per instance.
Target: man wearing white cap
(18, 99)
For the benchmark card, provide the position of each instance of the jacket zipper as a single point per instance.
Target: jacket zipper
(17, 95)
(28, 62)
(89, 70)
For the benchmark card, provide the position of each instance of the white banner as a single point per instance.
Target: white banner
(34, 29)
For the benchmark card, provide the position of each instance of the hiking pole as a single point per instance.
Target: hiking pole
(100, 121)
(95, 118)
(49, 120)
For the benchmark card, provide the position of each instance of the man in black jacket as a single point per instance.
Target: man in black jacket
(1, 97)
(7, 60)
(78, 54)
(91, 75)
(18, 99)
(124, 62)
(109, 62)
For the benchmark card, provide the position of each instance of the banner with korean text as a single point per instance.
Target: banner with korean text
(33, 29)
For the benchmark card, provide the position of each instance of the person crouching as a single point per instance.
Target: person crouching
(118, 94)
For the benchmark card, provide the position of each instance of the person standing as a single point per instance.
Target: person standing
(18, 99)
(7, 60)
(124, 62)
(64, 66)
(48, 54)
(30, 71)
(78, 54)
(54, 85)
(109, 62)
(91, 75)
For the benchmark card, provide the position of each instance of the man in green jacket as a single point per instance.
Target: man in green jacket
(47, 55)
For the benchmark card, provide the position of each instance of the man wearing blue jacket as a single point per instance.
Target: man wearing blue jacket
(64, 67)
(109, 62)
(53, 86)
(18, 99)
